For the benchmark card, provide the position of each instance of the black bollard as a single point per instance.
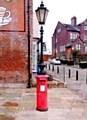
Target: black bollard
(64, 74)
(46, 65)
(86, 78)
(57, 69)
(52, 67)
(49, 66)
(69, 73)
(76, 75)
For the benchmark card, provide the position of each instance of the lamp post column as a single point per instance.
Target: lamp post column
(41, 30)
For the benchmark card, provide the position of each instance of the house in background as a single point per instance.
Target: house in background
(46, 53)
(69, 37)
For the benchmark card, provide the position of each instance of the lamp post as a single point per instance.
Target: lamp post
(41, 77)
(41, 14)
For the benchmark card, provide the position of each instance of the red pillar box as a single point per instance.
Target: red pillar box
(41, 92)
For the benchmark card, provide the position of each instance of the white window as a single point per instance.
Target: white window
(85, 48)
(56, 50)
(62, 48)
(34, 56)
(73, 36)
(56, 40)
(85, 27)
(85, 37)
(59, 30)
(78, 46)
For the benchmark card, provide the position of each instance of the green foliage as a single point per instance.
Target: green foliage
(75, 52)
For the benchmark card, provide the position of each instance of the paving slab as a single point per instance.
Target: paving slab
(20, 104)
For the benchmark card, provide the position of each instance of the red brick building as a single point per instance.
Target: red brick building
(16, 34)
(69, 37)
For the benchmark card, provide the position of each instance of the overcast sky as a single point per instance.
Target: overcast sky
(63, 11)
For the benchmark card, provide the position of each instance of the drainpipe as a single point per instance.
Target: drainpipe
(29, 74)
(55, 43)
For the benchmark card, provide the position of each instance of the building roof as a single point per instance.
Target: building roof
(72, 41)
(72, 28)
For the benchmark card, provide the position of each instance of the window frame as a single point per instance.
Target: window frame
(59, 30)
(85, 37)
(78, 46)
(85, 27)
(62, 48)
(73, 36)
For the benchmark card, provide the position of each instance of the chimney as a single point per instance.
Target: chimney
(73, 21)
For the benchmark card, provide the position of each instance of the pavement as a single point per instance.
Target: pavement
(79, 86)
(19, 103)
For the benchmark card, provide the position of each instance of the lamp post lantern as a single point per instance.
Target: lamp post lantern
(41, 14)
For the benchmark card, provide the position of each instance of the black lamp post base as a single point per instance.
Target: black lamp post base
(41, 69)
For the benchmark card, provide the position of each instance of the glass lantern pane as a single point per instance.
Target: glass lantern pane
(46, 14)
(38, 15)
(42, 15)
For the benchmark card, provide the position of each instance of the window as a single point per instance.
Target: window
(85, 48)
(56, 50)
(73, 36)
(78, 46)
(85, 27)
(85, 37)
(59, 30)
(34, 56)
(56, 40)
(62, 48)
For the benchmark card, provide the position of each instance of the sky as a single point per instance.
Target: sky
(63, 11)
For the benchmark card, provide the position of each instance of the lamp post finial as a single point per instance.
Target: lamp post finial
(42, 5)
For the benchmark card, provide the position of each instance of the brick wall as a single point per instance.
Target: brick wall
(14, 41)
